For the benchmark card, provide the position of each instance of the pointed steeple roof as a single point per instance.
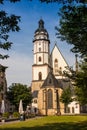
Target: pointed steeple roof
(41, 27)
(41, 24)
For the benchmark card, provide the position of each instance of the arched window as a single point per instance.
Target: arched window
(39, 49)
(50, 99)
(39, 58)
(72, 109)
(56, 63)
(56, 66)
(40, 76)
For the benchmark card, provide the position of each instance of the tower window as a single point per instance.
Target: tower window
(40, 76)
(39, 58)
(56, 61)
(40, 49)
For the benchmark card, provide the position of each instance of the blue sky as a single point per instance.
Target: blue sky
(21, 55)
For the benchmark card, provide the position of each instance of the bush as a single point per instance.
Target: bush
(16, 114)
(5, 115)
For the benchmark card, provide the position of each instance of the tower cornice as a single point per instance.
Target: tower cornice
(41, 40)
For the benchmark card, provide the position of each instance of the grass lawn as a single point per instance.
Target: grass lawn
(49, 123)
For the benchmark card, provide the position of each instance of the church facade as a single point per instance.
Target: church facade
(47, 74)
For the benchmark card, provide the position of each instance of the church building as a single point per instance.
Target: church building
(47, 74)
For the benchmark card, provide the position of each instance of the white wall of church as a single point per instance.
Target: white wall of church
(44, 58)
(41, 46)
(44, 70)
(56, 54)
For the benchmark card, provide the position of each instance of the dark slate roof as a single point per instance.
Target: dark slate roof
(50, 81)
(64, 83)
(2, 68)
(41, 26)
(35, 94)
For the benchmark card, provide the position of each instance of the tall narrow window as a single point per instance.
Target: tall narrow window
(39, 49)
(40, 76)
(55, 66)
(56, 61)
(72, 109)
(39, 58)
(50, 99)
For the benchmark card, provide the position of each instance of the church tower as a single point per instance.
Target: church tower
(41, 60)
(41, 52)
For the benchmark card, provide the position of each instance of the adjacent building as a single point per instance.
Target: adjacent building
(3, 87)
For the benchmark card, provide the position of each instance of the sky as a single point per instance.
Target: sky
(21, 55)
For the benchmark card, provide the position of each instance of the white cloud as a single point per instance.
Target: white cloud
(19, 69)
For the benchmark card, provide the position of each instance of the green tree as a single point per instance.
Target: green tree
(7, 24)
(73, 27)
(73, 24)
(16, 92)
(66, 97)
(81, 83)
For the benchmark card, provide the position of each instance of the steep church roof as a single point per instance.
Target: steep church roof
(51, 81)
(64, 83)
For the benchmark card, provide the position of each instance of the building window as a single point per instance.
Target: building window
(68, 109)
(72, 109)
(35, 101)
(60, 70)
(40, 76)
(39, 49)
(39, 58)
(50, 99)
(56, 61)
(50, 81)
(56, 66)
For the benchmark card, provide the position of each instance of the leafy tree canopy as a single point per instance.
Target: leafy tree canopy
(73, 27)
(73, 24)
(7, 24)
(64, 1)
(66, 96)
(81, 83)
(17, 92)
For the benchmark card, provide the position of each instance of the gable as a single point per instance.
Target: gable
(56, 54)
(50, 81)
(59, 63)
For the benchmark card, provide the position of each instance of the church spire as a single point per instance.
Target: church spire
(41, 24)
